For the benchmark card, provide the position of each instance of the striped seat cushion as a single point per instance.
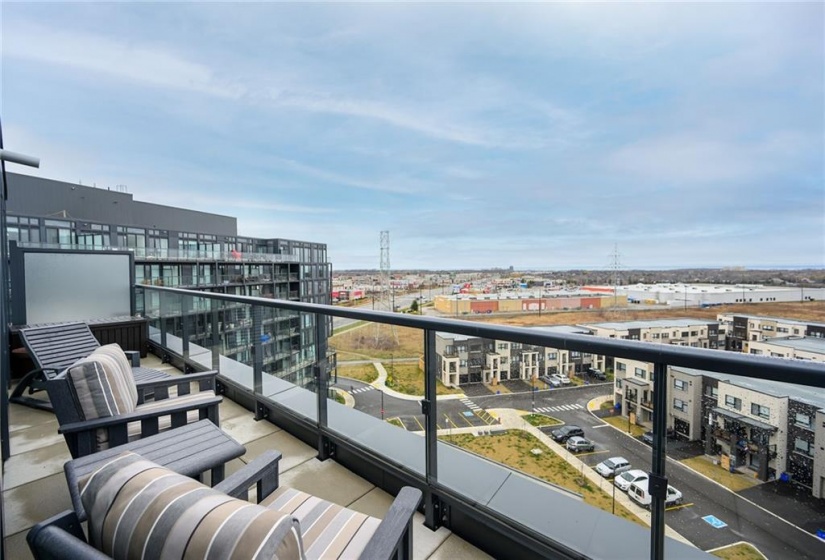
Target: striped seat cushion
(101, 388)
(327, 530)
(139, 510)
(115, 352)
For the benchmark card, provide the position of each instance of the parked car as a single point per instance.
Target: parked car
(624, 480)
(598, 374)
(578, 443)
(564, 433)
(552, 380)
(613, 466)
(564, 379)
(639, 493)
(647, 437)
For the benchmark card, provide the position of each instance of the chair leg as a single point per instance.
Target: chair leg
(32, 381)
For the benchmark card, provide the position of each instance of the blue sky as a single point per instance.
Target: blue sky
(479, 135)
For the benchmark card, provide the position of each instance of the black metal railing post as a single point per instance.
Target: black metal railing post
(257, 350)
(322, 385)
(216, 335)
(186, 317)
(658, 480)
(432, 506)
(162, 308)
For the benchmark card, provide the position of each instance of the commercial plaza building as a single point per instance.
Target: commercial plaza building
(177, 247)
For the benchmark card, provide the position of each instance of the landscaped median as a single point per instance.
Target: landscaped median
(734, 481)
(738, 551)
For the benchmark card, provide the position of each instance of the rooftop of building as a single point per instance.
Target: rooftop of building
(805, 343)
(676, 322)
(801, 393)
(775, 319)
(705, 288)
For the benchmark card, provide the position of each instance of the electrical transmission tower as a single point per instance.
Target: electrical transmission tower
(385, 301)
(615, 267)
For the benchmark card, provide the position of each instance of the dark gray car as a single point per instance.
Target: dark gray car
(562, 434)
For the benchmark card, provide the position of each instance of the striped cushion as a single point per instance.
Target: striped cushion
(100, 387)
(116, 353)
(138, 510)
(327, 530)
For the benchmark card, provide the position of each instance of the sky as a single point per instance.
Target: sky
(539, 136)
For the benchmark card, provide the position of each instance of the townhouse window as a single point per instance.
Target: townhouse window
(665, 335)
(654, 336)
(761, 411)
(618, 383)
(502, 346)
(694, 333)
(679, 404)
(552, 356)
(639, 372)
(733, 402)
(712, 392)
(685, 334)
(680, 384)
(620, 366)
(462, 363)
(803, 420)
(803, 446)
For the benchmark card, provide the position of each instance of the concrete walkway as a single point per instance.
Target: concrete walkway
(381, 383)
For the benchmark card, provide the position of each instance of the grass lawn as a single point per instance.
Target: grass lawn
(739, 551)
(362, 372)
(513, 448)
(539, 420)
(396, 422)
(379, 341)
(734, 481)
(606, 405)
(621, 423)
(409, 379)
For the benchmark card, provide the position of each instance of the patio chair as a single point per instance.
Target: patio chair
(98, 404)
(140, 510)
(53, 348)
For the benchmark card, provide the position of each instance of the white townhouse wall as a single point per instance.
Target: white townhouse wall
(633, 388)
(763, 408)
(818, 486)
(684, 403)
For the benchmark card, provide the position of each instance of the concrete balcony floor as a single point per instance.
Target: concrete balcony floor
(34, 487)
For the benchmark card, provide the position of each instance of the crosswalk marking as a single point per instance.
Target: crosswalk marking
(470, 404)
(362, 389)
(560, 408)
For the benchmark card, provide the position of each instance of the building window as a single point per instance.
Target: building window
(733, 402)
(621, 366)
(618, 383)
(665, 335)
(679, 404)
(803, 446)
(552, 356)
(761, 411)
(803, 420)
(712, 392)
(640, 373)
(680, 384)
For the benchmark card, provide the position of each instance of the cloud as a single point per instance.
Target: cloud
(148, 65)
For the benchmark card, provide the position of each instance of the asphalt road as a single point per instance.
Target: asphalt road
(745, 521)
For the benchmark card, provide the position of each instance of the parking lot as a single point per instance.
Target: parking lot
(448, 420)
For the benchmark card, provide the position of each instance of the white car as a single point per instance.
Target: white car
(564, 379)
(613, 466)
(639, 493)
(624, 480)
(555, 380)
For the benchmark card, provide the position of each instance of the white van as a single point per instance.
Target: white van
(639, 493)
(624, 480)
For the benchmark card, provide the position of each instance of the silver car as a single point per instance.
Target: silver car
(613, 466)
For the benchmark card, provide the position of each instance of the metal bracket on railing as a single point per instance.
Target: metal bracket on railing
(425, 406)
(437, 513)
(657, 485)
(261, 411)
(220, 388)
(327, 449)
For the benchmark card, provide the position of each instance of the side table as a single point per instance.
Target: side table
(189, 450)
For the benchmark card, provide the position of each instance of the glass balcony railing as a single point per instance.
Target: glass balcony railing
(153, 253)
(484, 450)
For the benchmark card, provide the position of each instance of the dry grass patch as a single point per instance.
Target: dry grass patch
(622, 423)
(362, 372)
(733, 481)
(513, 448)
(378, 341)
(409, 379)
(739, 551)
(539, 420)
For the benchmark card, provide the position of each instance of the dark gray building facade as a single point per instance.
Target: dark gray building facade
(183, 248)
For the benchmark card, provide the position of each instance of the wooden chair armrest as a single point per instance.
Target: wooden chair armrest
(394, 534)
(262, 471)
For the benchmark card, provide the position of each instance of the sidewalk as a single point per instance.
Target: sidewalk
(381, 383)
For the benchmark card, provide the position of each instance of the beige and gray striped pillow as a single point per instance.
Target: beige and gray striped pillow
(101, 388)
(138, 509)
(116, 352)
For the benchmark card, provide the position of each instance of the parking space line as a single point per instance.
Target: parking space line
(593, 452)
(417, 421)
(671, 508)
(468, 422)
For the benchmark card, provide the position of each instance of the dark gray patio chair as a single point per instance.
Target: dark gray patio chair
(53, 348)
(98, 404)
(162, 513)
